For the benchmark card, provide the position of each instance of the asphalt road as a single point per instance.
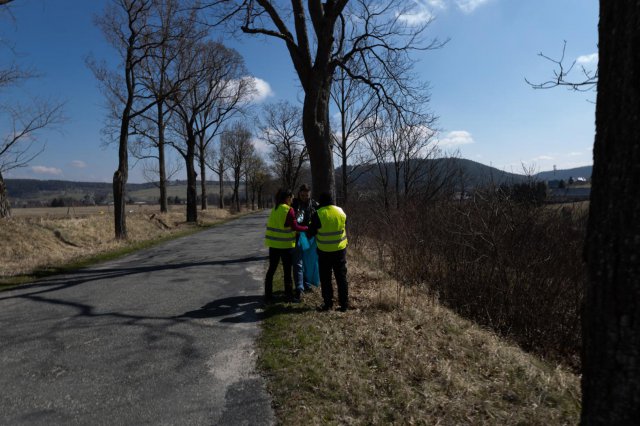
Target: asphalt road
(164, 336)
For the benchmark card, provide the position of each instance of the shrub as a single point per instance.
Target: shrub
(514, 267)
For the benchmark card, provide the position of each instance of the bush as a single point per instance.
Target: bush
(512, 266)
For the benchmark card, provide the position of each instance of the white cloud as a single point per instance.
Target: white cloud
(468, 6)
(543, 158)
(455, 138)
(576, 154)
(422, 12)
(261, 146)
(79, 164)
(262, 90)
(43, 170)
(591, 59)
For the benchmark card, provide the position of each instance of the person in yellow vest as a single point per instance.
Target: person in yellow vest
(328, 225)
(280, 237)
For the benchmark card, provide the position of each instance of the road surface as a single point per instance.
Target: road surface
(164, 336)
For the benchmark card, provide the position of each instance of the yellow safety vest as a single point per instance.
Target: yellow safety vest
(332, 236)
(277, 236)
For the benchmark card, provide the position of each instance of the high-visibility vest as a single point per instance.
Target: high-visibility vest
(277, 236)
(332, 235)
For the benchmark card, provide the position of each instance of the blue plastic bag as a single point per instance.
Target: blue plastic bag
(304, 241)
(310, 263)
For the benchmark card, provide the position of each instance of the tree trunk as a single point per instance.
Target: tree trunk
(120, 178)
(161, 161)
(5, 206)
(221, 188)
(192, 192)
(317, 135)
(611, 322)
(203, 179)
(246, 192)
(345, 176)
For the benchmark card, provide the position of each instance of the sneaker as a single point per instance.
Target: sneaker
(297, 298)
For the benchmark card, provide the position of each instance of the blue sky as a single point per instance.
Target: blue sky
(486, 109)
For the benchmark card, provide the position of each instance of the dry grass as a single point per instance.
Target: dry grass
(47, 238)
(400, 358)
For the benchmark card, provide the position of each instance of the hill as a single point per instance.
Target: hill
(584, 172)
(37, 192)
(466, 172)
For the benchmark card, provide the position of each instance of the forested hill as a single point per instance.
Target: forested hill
(32, 188)
(470, 172)
(584, 172)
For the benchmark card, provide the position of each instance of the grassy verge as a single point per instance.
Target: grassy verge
(44, 246)
(398, 357)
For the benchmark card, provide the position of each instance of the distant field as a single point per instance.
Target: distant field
(87, 210)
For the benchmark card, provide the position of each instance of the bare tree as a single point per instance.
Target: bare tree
(377, 138)
(227, 91)
(20, 144)
(257, 178)
(356, 104)
(215, 90)
(216, 161)
(326, 36)
(151, 172)
(417, 149)
(157, 76)
(239, 149)
(281, 129)
(126, 26)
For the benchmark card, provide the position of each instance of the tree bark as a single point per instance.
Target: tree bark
(192, 192)
(611, 323)
(203, 179)
(221, 188)
(164, 208)
(5, 206)
(317, 133)
(121, 175)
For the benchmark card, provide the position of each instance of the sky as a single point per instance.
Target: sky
(487, 112)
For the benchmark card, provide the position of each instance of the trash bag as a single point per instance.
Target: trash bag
(304, 241)
(310, 262)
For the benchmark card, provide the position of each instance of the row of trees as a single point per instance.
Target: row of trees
(369, 43)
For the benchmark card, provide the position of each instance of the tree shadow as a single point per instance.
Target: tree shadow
(86, 275)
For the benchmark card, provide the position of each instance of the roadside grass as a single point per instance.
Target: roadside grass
(397, 357)
(36, 247)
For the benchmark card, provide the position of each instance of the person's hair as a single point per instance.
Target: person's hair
(325, 199)
(282, 195)
(304, 188)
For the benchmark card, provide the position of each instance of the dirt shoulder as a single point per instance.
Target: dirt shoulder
(36, 244)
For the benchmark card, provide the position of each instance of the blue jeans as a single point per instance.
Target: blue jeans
(298, 271)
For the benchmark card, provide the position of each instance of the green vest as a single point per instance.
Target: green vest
(277, 236)
(332, 236)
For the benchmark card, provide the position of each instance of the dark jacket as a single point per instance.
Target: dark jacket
(304, 211)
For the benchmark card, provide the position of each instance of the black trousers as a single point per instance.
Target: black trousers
(275, 255)
(336, 262)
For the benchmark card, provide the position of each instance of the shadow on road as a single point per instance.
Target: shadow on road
(82, 276)
(237, 309)
(242, 309)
